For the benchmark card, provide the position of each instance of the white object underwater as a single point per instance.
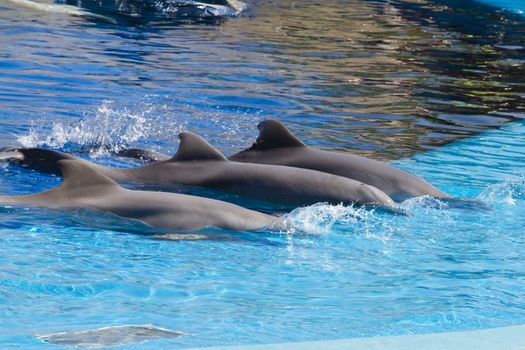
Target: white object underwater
(110, 336)
(60, 9)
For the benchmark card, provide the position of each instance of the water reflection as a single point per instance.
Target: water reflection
(147, 11)
(379, 78)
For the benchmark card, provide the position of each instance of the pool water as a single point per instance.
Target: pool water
(415, 85)
(338, 273)
(513, 5)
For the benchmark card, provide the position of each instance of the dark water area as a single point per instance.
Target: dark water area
(381, 78)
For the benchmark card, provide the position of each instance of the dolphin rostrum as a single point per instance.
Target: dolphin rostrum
(197, 163)
(278, 146)
(85, 188)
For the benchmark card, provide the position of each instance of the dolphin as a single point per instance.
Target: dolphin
(197, 163)
(278, 146)
(85, 188)
(62, 9)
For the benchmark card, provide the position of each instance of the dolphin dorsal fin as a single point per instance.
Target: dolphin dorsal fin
(193, 147)
(78, 174)
(273, 134)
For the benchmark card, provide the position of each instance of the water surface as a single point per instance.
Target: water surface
(387, 79)
(380, 78)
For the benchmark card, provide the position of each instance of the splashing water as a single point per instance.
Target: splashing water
(152, 123)
(171, 8)
(506, 192)
(108, 130)
(320, 218)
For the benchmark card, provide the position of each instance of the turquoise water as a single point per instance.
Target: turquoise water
(413, 78)
(340, 272)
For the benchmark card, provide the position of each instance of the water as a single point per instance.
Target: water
(516, 6)
(383, 79)
(341, 272)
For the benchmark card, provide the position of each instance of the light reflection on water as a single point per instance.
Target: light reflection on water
(381, 78)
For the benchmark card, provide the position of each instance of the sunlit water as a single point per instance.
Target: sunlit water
(385, 79)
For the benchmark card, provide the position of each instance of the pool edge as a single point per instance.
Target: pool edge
(502, 338)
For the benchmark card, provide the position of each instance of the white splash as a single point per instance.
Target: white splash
(424, 202)
(321, 217)
(505, 192)
(234, 7)
(153, 122)
(109, 130)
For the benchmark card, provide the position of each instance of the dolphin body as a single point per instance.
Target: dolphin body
(197, 163)
(277, 145)
(86, 188)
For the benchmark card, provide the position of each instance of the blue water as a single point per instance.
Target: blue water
(391, 80)
(513, 5)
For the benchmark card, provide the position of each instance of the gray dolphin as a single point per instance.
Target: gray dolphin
(277, 145)
(197, 163)
(86, 188)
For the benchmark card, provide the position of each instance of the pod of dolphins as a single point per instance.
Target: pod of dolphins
(277, 168)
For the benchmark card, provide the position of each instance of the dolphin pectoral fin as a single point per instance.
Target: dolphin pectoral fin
(143, 155)
(193, 147)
